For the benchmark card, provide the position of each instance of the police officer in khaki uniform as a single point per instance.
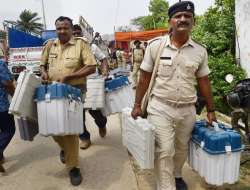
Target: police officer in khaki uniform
(137, 57)
(68, 60)
(120, 58)
(182, 64)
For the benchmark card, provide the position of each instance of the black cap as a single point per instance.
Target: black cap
(137, 42)
(181, 6)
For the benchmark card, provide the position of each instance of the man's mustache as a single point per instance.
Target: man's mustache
(183, 24)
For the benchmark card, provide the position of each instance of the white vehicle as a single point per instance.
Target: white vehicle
(24, 59)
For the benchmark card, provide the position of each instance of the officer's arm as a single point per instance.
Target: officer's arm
(104, 67)
(142, 86)
(206, 91)
(44, 60)
(83, 72)
(6, 79)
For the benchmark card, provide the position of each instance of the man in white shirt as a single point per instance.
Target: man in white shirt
(99, 118)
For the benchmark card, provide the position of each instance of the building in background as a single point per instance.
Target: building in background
(242, 15)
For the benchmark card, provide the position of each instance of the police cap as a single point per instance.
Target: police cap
(180, 7)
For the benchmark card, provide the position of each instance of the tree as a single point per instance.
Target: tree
(157, 18)
(216, 30)
(29, 22)
(2, 34)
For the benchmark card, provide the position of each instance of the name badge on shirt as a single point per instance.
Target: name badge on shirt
(52, 55)
(165, 58)
(165, 61)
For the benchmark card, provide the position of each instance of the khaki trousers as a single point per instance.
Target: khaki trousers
(173, 131)
(70, 145)
(135, 73)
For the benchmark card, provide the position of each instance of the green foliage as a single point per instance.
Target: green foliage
(221, 66)
(2, 34)
(156, 19)
(216, 30)
(29, 22)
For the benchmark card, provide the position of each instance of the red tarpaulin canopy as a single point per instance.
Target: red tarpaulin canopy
(142, 35)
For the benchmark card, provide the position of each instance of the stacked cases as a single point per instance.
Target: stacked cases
(23, 106)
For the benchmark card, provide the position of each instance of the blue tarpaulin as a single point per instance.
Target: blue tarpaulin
(18, 39)
(48, 34)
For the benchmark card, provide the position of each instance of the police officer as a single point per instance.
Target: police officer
(68, 60)
(99, 118)
(137, 57)
(7, 126)
(120, 58)
(183, 63)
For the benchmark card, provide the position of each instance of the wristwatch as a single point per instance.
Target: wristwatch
(210, 110)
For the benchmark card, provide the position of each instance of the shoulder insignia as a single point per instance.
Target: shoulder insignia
(83, 39)
(198, 43)
(154, 40)
(49, 41)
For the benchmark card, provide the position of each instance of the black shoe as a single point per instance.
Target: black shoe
(62, 157)
(1, 158)
(2, 170)
(180, 184)
(75, 176)
(102, 131)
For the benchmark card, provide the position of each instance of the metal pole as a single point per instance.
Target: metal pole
(44, 20)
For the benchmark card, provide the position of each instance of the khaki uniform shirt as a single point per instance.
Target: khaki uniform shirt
(120, 57)
(138, 55)
(178, 70)
(66, 59)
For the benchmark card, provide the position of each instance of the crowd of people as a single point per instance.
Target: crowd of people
(165, 72)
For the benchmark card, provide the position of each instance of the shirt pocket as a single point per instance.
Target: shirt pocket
(191, 69)
(71, 62)
(52, 59)
(165, 68)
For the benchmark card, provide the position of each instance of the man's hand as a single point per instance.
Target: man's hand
(211, 117)
(136, 111)
(10, 87)
(45, 76)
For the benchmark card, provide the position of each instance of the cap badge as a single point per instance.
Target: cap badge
(188, 7)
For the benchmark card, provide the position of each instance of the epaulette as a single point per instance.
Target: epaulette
(49, 41)
(82, 38)
(154, 40)
(198, 43)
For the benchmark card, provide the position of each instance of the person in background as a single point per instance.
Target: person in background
(99, 118)
(137, 57)
(7, 125)
(120, 58)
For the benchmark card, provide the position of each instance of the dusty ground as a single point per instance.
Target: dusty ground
(36, 166)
